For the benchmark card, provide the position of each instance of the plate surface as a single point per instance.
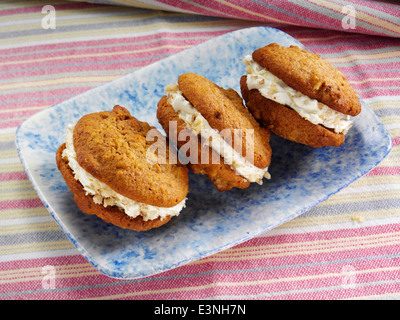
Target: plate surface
(212, 221)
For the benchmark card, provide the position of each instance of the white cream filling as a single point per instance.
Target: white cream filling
(196, 122)
(275, 89)
(103, 194)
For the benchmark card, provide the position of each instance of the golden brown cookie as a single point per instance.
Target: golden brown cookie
(299, 73)
(310, 74)
(223, 111)
(112, 147)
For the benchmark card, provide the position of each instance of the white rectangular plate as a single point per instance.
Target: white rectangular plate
(212, 221)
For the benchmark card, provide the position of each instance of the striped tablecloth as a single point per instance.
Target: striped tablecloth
(347, 247)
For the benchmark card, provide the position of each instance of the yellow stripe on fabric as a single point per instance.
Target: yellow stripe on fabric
(390, 119)
(395, 152)
(315, 244)
(23, 213)
(24, 109)
(34, 274)
(12, 195)
(263, 252)
(375, 180)
(87, 55)
(361, 57)
(11, 167)
(13, 153)
(385, 104)
(29, 227)
(369, 180)
(128, 31)
(247, 283)
(53, 82)
(244, 257)
(35, 247)
(304, 248)
(353, 198)
(15, 183)
(257, 14)
(60, 13)
(394, 133)
(17, 189)
(361, 197)
(121, 70)
(357, 218)
(362, 16)
(36, 270)
(7, 137)
(390, 161)
(88, 20)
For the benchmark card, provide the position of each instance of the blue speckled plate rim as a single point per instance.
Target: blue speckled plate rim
(122, 275)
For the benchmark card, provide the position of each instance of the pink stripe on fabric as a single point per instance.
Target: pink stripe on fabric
(26, 287)
(77, 70)
(384, 171)
(163, 36)
(12, 115)
(11, 124)
(285, 276)
(281, 265)
(18, 204)
(272, 13)
(200, 9)
(376, 92)
(121, 65)
(265, 284)
(76, 64)
(33, 103)
(396, 141)
(315, 36)
(116, 62)
(289, 13)
(359, 28)
(40, 96)
(322, 39)
(140, 47)
(42, 93)
(98, 58)
(17, 175)
(337, 46)
(363, 70)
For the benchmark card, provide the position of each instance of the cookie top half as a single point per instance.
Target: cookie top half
(311, 75)
(113, 147)
(224, 109)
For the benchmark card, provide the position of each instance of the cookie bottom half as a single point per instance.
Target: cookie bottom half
(221, 174)
(286, 122)
(110, 214)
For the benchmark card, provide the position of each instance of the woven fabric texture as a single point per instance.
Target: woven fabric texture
(347, 247)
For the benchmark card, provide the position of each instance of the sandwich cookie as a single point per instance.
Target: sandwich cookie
(211, 123)
(298, 95)
(105, 164)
